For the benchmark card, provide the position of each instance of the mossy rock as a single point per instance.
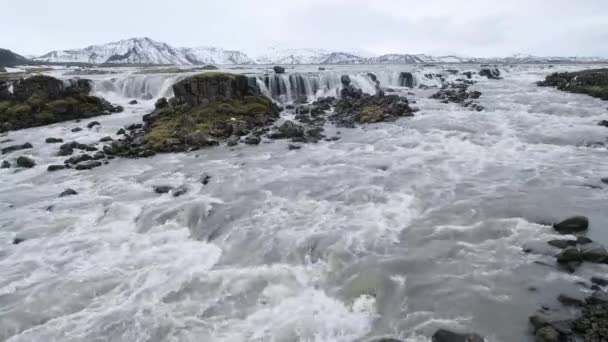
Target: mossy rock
(591, 82)
(220, 118)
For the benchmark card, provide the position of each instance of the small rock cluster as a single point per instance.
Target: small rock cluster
(457, 93)
(592, 324)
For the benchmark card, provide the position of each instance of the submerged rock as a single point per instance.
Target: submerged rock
(88, 165)
(448, 336)
(162, 189)
(53, 168)
(93, 124)
(5, 164)
(53, 140)
(68, 192)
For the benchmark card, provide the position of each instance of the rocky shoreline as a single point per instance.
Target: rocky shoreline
(591, 82)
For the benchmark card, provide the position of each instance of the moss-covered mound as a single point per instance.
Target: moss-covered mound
(206, 109)
(590, 82)
(43, 100)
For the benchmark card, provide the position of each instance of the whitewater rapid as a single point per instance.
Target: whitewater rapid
(397, 229)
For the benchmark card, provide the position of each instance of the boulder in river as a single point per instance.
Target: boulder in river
(25, 162)
(68, 192)
(53, 140)
(491, 73)
(14, 148)
(5, 164)
(370, 109)
(572, 225)
(278, 69)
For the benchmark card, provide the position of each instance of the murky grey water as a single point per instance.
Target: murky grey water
(396, 229)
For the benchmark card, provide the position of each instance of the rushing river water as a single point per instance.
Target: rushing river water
(397, 229)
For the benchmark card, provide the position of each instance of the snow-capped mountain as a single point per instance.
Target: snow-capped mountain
(148, 51)
(145, 51)
(277, 55)
(213, 55)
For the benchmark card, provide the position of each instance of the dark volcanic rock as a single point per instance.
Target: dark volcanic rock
(253, 140)
(52, 168)
(53, 140)
(576, 224)
(594, 253)
(203, 88)
(18, 240)
(88, 165)
(562, 243)
(590, 82)
(370, 109)
(5, 164)
(133, 102)
(570, 301)
(25, 162)
(14, 148)
(599, 281)
(593, 324)
(68, 192)
(279, 69)
(348, 90)
(569, 254)
(76, 129)
(180, 190)
(93, 124)
(493, 74)
(547, 334)
(162, 189)
(288, 130)
(448, 336)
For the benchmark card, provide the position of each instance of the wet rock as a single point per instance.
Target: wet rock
(18, 240)
(78, 159)
(107, 150)
(25, 162)
(14, 148)
(448, 336)
(233, 140)
(594, 253)
(370, 109)
(5, 164)
(133, 102)
(161, 103)
(468, 74)
(53, 140)
(88, 165)
(386, 339)
(493, 74)
(599, 281)
(199, 139)
(572, 225)
(106, 139)
(76, 129)
(121, 131)
(205, 179)
(288, 130)
(180, 190)
(162, 189)
(134, 126)
(598, 297)
(547, 334)
(569, 254)
(562, 244)
(53, 168)
(68, 192)
(538, 322)
(593, 324)
(583, 240)
(117, 109)
(278, 69)
(93, 124)
(294, 147)
(209, 67)
(253, 140)
(348, 90)
(603, 123)
(99, 155)
(570, 301)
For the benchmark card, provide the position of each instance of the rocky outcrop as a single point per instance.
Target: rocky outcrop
(491, 73)
(370, 109)
(590, 82)
(41, 100)
(348, 90)
(207, 109)
(457, 93)
(279, 69)
(449, 336)
(199, 90)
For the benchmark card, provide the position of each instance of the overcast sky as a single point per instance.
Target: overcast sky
(481, 28)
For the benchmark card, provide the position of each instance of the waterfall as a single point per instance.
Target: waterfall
(141, 87)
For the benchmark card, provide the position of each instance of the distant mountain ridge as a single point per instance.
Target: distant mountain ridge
(9, 58)
(148, 51)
